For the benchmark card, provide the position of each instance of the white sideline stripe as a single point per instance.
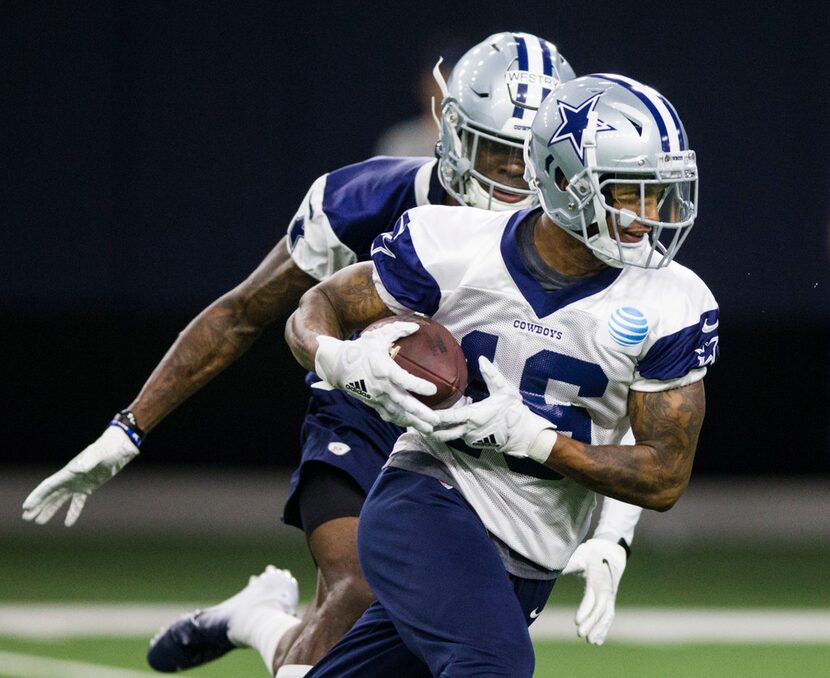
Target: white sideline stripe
(27, 666)
(709, 625)
(632, 624)
(68, 620)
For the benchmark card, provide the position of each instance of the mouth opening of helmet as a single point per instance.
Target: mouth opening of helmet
(480, 166)
(646, 212)
(646, 216)
(496, 161)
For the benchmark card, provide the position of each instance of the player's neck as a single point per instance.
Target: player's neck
(449, 201)
(562, 252)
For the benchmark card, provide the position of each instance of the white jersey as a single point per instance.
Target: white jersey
(574, 353)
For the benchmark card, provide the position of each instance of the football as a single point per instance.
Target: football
(433, 354)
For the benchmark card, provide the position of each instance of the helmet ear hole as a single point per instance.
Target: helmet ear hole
(560, 179)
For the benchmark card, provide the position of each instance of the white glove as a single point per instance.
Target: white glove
(601, 562)
(364, 369)
(501, 421)
(88, 471)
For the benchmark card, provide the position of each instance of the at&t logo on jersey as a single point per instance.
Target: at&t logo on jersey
(628, 326)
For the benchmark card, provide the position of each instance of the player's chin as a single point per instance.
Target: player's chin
(633, 237)
(509, 198)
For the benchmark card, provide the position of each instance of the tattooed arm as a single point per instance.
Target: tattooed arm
(342, 304)
(220, 334)
(655, 471)
(212, 341)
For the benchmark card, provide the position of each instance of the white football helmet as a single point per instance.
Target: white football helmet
(493, 93)
(605, 151)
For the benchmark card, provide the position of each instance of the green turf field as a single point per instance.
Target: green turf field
(552, 660)
(52, 567)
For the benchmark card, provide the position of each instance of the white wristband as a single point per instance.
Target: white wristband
(541, 448)
(617, 520)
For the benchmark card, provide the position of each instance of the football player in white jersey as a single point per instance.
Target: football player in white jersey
(485, 114)
(577, 324)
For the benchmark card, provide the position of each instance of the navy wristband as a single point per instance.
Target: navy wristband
(125, 420)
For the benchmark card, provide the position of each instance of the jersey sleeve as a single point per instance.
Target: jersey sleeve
(688, 341)
(346, 209)
(422, 261)
(313, 244)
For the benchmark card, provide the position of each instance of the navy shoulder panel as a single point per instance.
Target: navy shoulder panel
(365, 199)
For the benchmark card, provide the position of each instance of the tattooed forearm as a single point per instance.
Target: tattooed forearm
(344, 303)
(654, 472)
(354, 297)
(219, 335)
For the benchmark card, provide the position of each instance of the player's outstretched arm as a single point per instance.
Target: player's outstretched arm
(363, 368)
(212, 341)
(220, 334)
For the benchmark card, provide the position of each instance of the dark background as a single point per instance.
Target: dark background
(154, 152)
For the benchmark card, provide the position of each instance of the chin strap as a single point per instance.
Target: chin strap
(606, 247)
(589, 142)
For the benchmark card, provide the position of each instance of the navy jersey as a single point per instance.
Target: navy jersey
(345, 210)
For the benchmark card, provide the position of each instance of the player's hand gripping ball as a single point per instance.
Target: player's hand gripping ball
(433, 354)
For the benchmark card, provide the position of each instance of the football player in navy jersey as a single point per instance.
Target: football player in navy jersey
(480, 507)
(485, 115)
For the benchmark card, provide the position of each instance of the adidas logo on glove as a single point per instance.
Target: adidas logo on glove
(358, 388)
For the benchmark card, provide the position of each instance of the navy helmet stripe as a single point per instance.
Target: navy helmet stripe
(547, 65)
(661, 124)
(521, 90)
(674, 117)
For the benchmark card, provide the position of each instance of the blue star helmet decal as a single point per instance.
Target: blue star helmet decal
(574, 122)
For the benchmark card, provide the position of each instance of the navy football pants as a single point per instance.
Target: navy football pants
(446, 606)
